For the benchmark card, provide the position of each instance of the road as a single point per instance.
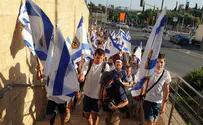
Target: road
(180, 60)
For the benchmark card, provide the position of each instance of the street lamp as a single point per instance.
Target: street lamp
(162, 4)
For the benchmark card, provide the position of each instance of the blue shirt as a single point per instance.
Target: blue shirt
(121, 75)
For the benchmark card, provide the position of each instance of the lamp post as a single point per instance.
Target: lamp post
(162, 4)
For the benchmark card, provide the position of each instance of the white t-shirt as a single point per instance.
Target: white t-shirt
(92, 83)
(156, 93)
(112, 67)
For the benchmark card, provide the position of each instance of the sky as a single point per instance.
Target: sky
(170, 4)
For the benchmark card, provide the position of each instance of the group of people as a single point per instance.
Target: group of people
(106, 85)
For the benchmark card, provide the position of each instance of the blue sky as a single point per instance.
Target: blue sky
(170, 4)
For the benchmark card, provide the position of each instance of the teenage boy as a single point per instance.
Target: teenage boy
(156, 99)
(91, 73)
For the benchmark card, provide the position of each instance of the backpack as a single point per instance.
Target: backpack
(115, 97)
(90, 65)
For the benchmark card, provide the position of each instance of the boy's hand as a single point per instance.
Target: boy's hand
(81, 77)
(162, 110)
(113, 107)
(100, 104)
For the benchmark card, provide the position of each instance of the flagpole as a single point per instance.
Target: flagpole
(56, 22)
(74, 22)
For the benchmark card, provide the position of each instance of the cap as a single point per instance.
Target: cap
(119, 61)
(106, 77)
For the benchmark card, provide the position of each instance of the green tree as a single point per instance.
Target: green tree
(195, 79)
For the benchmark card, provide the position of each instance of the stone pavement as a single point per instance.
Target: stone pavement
(77, 119)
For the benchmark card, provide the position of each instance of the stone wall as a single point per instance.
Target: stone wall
(23, 105)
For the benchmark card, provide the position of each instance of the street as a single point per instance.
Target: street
(180, 59)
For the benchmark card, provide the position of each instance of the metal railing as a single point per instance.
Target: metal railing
(187, 101)
(9, 87)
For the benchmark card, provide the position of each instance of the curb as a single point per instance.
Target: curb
(190, 53)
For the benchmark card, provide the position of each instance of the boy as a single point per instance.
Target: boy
(114, 98)
(156, 99)
(93, 70)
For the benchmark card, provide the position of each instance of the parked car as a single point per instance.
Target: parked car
(122, 26)
(147, 29)
(180, 39)
(195, 42)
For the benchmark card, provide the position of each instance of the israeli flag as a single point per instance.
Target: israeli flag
(123, 41)
(37, 29)
(138, 52)
(112, 47)
(113, 34)
(90, 43)
(62, 77)
(150, 55)
(95, 22)
(126, 43)
(79, 46)
(94, 35)
(120, 32)
(128, 35)
(24, 21)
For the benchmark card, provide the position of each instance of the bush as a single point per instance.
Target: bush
(195, 79)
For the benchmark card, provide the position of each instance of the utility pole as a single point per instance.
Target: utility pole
(106, 11)
(130, 5)
(162, 4)
(183, 21)
(143, 9)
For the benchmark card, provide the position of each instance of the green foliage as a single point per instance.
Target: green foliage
(197, 21)
(172, 14)
(195, 79)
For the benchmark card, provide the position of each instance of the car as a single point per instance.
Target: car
(122, 26)
(180, 39)
(147, 29)
(195, 42)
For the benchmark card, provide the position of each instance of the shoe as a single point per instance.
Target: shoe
(67, 118)
(53, 119)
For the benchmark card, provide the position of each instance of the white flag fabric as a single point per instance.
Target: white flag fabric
(150, 55)
(24, 21)
(113, 34)
(126, 43)
(112, 47)
(128, 35)
(138, 52)
(62, 78)
(123, 41)
(79, 45)
(38, 29)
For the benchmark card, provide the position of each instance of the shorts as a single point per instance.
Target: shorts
(90, 104)
(151, 110)
(51, 106)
